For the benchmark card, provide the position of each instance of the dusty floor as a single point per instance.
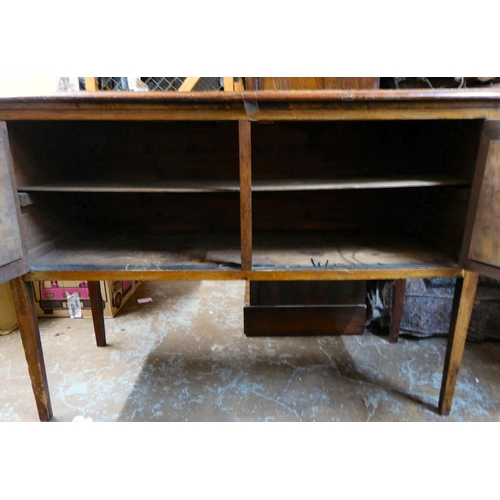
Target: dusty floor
(184, 357)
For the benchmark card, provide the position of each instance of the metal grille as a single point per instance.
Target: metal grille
(113, 83)
(157, 83)
(210, 83)
(163, 83)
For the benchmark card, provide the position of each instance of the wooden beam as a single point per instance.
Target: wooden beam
(228, 83)
(284, 105)
(245, 194)
(246, 297)
(465, 291)
(22, 294)
(189, 83)
(316, 274)
(397, 310)
(238, 84)
(97, 312)
(91, 84)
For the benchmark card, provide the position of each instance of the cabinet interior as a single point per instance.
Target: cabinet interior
(110, 195)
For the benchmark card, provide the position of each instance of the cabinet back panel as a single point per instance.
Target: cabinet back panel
(325, 210)
(43, 225)
(46, 152)
(422, 212)
(349, 149)
(364, 209)
(443, 215)
(130, 212)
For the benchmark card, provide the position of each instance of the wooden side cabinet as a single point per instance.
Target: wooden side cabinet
(255, 186)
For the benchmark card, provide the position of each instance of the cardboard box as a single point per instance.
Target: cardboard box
(8, 317)
(51, 297)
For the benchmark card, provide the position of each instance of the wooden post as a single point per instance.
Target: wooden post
(246, 297)
(97, 312)
(189, 83)
(228, 83)
(397, 309)
(463, 302)
(238, 84)
(245, 194)
(91, 84)
(30, 336)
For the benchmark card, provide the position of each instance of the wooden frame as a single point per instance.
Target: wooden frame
(189, 84)
(91, 84)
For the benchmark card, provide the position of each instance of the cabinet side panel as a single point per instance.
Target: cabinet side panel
(485, 242)
(10, 237)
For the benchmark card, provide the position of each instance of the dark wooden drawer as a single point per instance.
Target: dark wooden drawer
(304, 320)
(296, 293)
(305, 308)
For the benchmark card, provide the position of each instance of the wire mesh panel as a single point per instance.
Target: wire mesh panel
(113, 83)
(210, 83)
(156, 83)
(162, 83)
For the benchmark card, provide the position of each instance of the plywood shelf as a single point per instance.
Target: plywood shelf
(386, 182)
(285, 251)
(159, 186)
(258, 185)
(324, 250)
(151, 251)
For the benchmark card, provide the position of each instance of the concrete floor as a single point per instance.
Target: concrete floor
(184, 357)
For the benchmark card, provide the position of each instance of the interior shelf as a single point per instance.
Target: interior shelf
(152, 251)
(258, 185)
(337, 250)
(160, 186)
(221, 250)
(394, 181)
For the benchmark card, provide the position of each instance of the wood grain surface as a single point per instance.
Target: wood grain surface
(310, 83)
(96, 305)
(246, 229)
(284, 105)
(289, 293)
(198, 250)
(463, 303)
(304, 320)
(397, 310)
(22, 294)
(11, 248)
(485, 242)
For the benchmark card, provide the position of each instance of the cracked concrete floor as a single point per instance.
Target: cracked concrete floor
(184, 357)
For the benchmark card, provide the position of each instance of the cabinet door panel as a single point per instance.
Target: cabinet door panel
(482, 238)
(485, 242)
(11, 247)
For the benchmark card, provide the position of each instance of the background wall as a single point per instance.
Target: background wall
(21, 86)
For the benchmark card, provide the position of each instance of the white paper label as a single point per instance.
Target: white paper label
(74, 305)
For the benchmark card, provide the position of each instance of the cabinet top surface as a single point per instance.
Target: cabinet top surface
(255, 105)
(266, 95)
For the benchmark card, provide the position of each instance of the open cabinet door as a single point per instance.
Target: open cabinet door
(481, 248)
(13, 262)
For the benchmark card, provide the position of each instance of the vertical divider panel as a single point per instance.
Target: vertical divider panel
(245, 142)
